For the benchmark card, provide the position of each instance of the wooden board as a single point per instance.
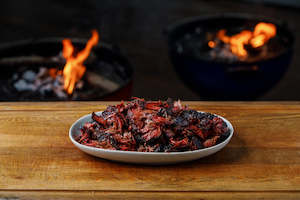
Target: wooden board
(79, 195)
(263, 157)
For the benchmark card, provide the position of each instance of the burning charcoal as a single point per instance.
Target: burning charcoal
(22, 85)
(43, 71)
(29, 75)
(45, 85)
(41, 84)
(58, 82)
(60, 93)
(38, 83)
(45, 88)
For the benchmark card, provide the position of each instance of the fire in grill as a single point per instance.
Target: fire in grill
(84, 71)
(245, 45)
(53, 80)
(230, 56)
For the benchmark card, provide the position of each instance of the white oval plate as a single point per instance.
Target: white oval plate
(153, 158)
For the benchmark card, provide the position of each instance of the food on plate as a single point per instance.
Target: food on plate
(153, 126)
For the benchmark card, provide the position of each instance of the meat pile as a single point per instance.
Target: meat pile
(149, 126)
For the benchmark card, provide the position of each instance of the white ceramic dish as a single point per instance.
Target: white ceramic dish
(153, 158)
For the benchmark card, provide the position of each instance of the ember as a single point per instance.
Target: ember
(149, 126)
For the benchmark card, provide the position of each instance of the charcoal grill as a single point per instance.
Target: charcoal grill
(235, 80)
(14, 56)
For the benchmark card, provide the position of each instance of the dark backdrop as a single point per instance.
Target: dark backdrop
(136, 26)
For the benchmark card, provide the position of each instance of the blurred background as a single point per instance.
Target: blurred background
(137, 28)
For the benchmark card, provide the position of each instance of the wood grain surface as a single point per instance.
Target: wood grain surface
(37, 159)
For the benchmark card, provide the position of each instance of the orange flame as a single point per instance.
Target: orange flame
(53, 72)
(74, 68)
(211, 44)
(261, 34)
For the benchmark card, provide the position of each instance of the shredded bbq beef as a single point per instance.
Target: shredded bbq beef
(150, 126)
